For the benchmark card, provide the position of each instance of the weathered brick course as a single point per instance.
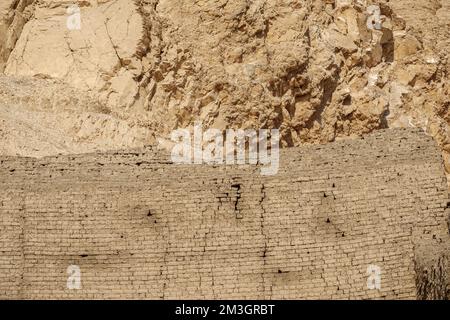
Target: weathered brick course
(141, 227)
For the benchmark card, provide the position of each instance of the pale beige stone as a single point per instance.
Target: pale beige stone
(160, 65)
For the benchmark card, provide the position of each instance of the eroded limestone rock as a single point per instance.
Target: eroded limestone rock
(318, 70)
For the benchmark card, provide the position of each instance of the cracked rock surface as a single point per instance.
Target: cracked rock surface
(140, 69)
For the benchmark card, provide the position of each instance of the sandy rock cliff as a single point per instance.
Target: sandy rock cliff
(119, 73)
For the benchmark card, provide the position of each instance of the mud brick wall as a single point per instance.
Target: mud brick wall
(139, 226)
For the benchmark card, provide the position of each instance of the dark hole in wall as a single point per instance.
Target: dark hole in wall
(150, 214)
(347, 100)
(236, 186)
(280, 271)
